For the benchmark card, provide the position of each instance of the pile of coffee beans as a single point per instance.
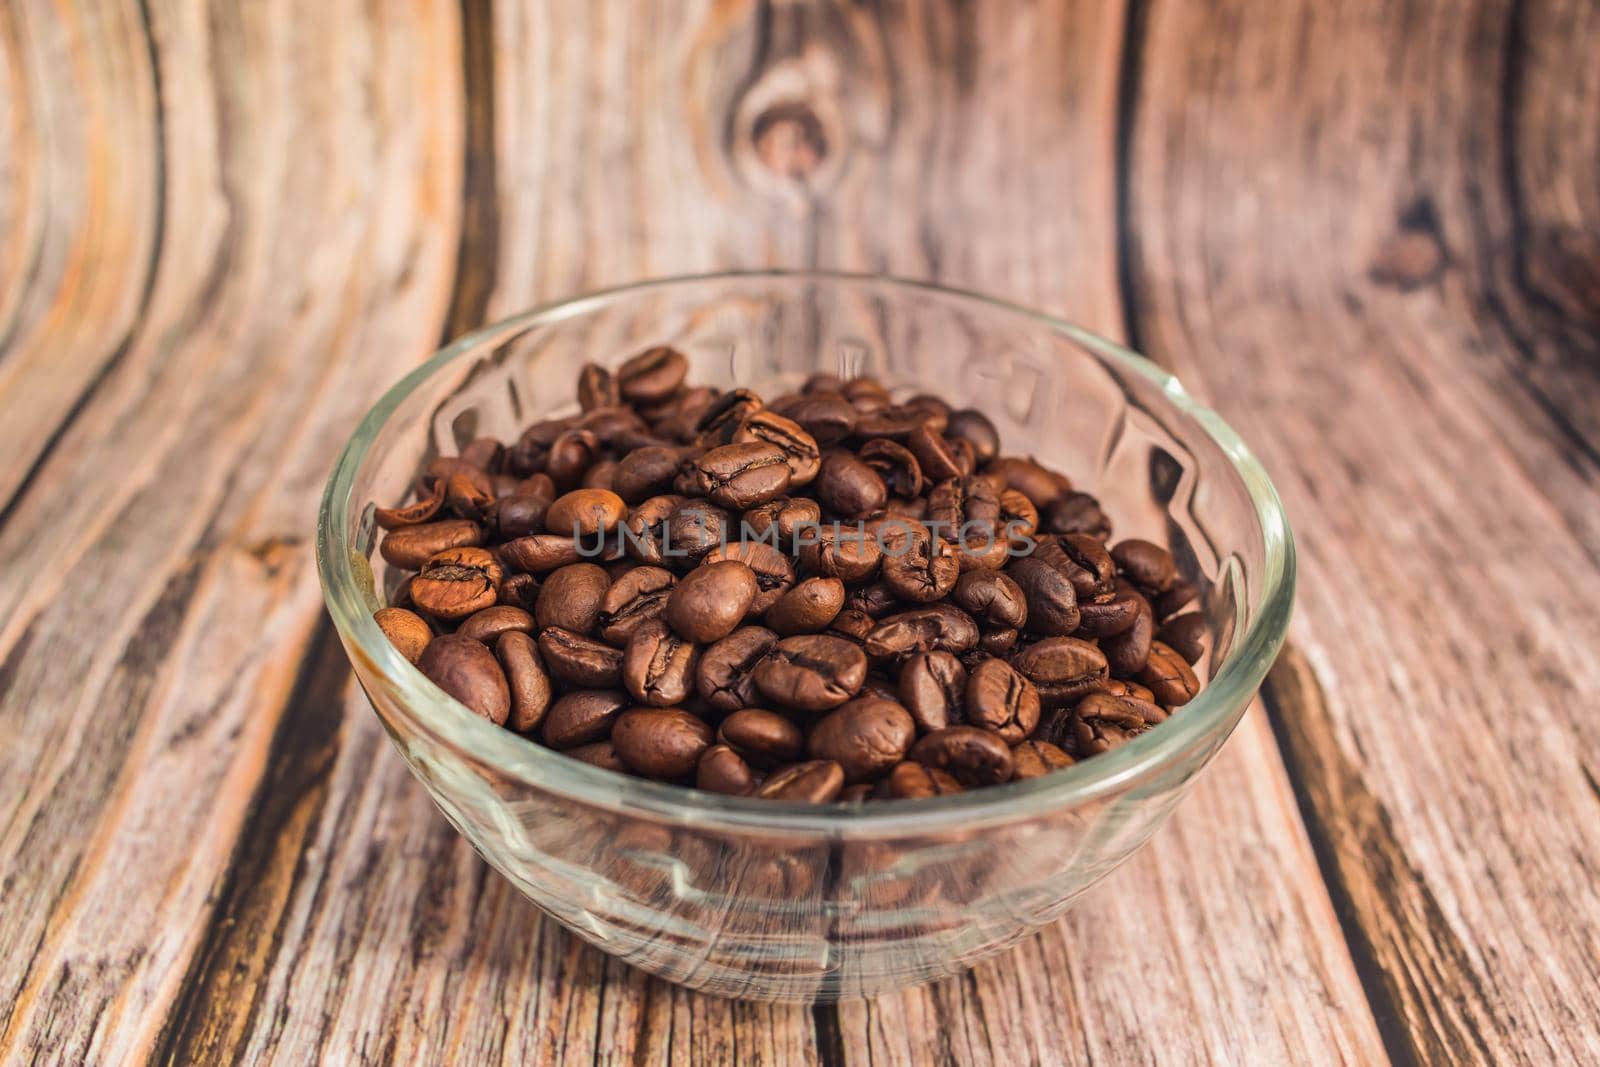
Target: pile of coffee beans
(824, 596)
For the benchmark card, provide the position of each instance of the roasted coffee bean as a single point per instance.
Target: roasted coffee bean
(992, 598)
(617, 428)
(632, 600)
(781, 518)
(773, 570)
(486, 453)
(457, 582)
(941, 627)
(1102, 722)
(570, 456)
(1033, 759)
(709, 601)
(660, 742)
(539, 553)
(468, 671)
(894, 422)
(865, 737)
(973, 426)
(1127, 652)
(896, 465)
(740, 476)
(844, 551)
(487, 625)
(1052, 603)
(848, 487)
(1185, 635)
(807, 607)
(412, 546)
(532, 449)
(913, 781)
(443, 468)
(876, 600)
(571, 598)
(998, 642)
(425, 509)
(914, 508)
(1147, 565)
(683, 414)
(652, 375)
(971, 755)
(933, 688)
(1169, 676)
(1108, 614)
(1078, 513)
(724, 676)
(723, 417)
(853, 624)
(964, 510)
(1062, 669)
(1177, 597)
(644, 532)
(406, 631)
(579, 660)
(764, 738)
(658, 666)
(518, 591)
(1029, 478)
(583, 513)
(999, 698)
(827, 417)
(799, 448)
(813, 782)
(597, 388)
(518, 515)
(694, 528)
(526, 677)
(538, 485)
(582, 716)
(645, 472)
(939, 461)
(917, 566)
(1083, 559)
(722, 770)
(1019, 519)
(934, 405)
(598, 754)
(812, 672)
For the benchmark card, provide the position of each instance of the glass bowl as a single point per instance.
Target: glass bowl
(755, 899)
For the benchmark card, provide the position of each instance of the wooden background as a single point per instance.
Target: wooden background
(1368, 230)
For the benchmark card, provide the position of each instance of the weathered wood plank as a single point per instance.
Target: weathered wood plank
(1319, 238)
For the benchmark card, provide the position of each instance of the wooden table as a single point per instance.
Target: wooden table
(1368, 231)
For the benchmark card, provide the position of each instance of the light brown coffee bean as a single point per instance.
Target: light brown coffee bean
(468, 671)
(813, 782)
(406, 630)
(457, 582)
(660, 742)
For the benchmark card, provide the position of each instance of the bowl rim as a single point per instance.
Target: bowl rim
(1212, 714)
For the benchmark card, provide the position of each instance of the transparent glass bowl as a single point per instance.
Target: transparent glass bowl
(754, 899)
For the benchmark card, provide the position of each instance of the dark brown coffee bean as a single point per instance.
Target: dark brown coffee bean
(939, 461)
(913, 781)
(1029, 478)
(579, 660)
(999, 698)
(1108, 615)
(722, 770)
(694, 528)
(764, 738)
(916, 566)
(645, 472)
(807, 607)
(597, 388)
(711, 600)
(424, 510)
(1078, 513)
(570, 456)
(844, 551)
(632, 600)
(683, 414)
(1034, 759)
(721, 419)
(1083, 559)
(457, 582)
(618, 428)
(571, 598)
(532, 449)
(853, 624)
(1019, 519)
(487, 625)
(965, 510)
(799, 448)
(1177, 597)
(828, 417)
(585, 512)
(519, 591)
(517, 515)
(1147, 565)
(970, 754)
(740, 476)
(941, 627)
(660, 742)
(1169, 676)
(468, 671)
(876, 600)
(973, 426)
(582, 716)
(443, 468)
(529, 682)
(406, 631)
(1185, 635)
(934, 405)
(724, 675)
(813, 782)
(645, 530)
(894, 422)
(998, 642)
(773, 570)
(865, 737)
(812, 672)
(1127, 652)
(538, 553)
(658, 666)
(992, 598)
(848, 487)
(1062, 669)
(780, 519)
(652, 375)
(933, 688)
(1052, 603)
(896, 465)
(598, 754)
(1102, 722)
(412, 546)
